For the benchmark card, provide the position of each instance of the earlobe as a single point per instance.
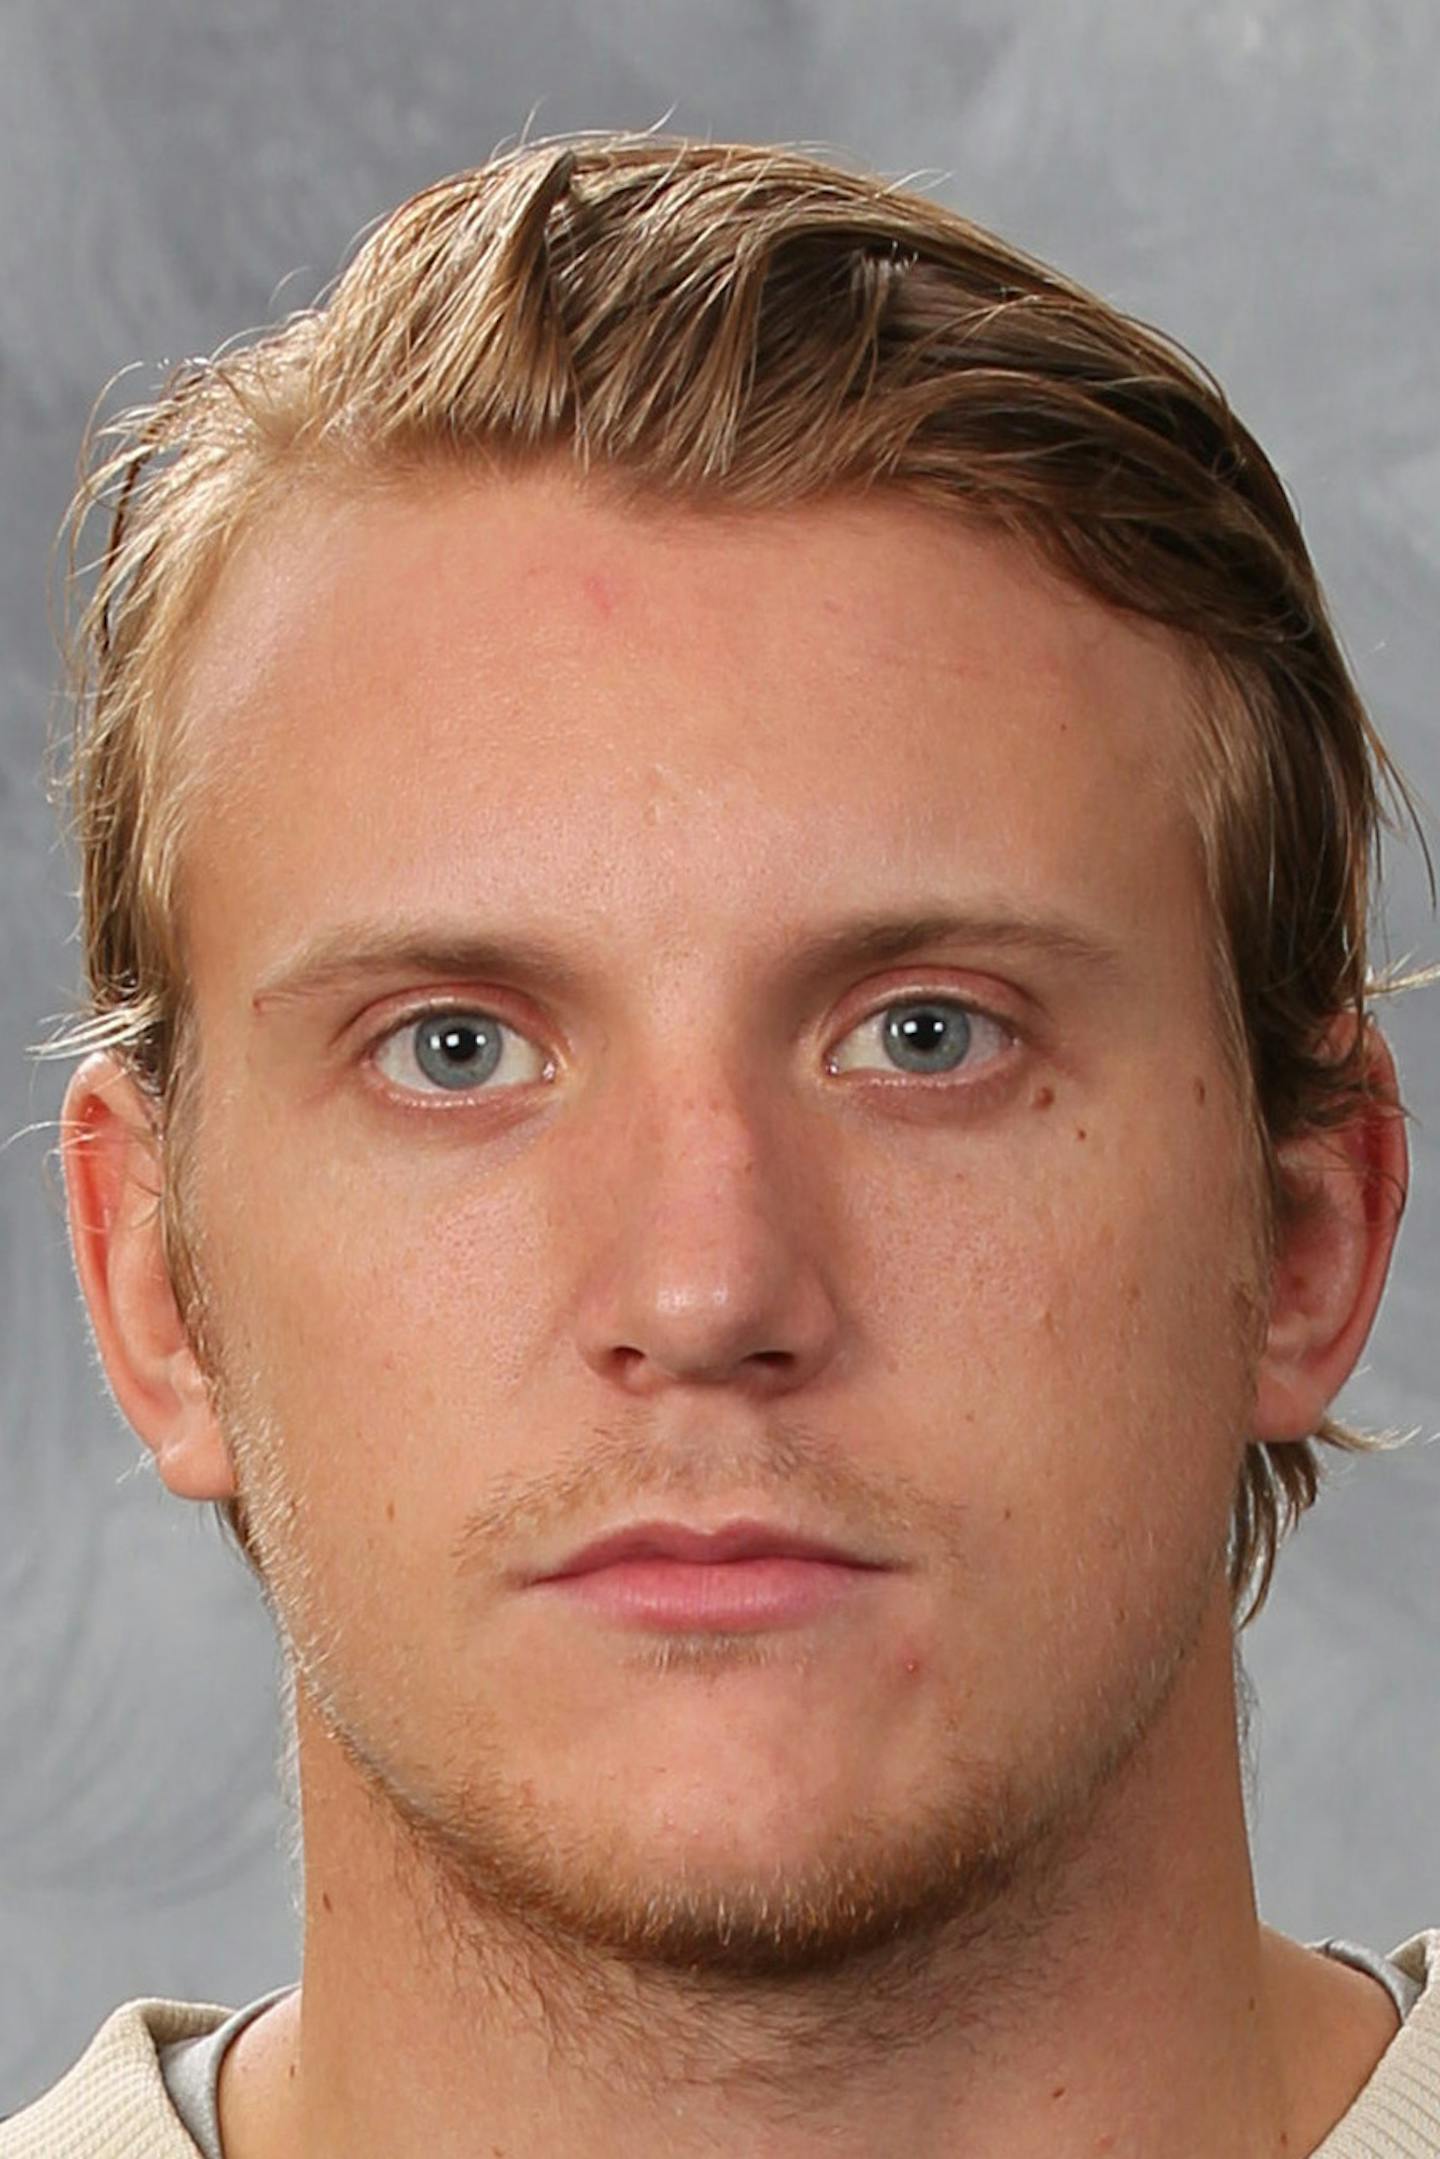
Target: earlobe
(114, 1166)
(1347, 1189)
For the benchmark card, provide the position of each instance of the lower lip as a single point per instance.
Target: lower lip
(734, 1596)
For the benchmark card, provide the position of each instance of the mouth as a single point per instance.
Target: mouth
(741, 1578)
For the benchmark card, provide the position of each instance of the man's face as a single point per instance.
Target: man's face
(566, 1162)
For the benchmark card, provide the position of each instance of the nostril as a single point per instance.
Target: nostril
(632, 1367)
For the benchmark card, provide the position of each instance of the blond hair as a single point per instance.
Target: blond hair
(753, 327)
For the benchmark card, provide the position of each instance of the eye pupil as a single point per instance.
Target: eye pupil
(456, 1052)
(927, 1038)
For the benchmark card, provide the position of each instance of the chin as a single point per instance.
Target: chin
(695, 1884)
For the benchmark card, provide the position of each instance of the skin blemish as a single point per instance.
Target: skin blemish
(1059, 2092)
(1080, 1132)
(389, 1510)
(1200, 1093)
(1042, 1098)
(600, 592)
(325, 1900)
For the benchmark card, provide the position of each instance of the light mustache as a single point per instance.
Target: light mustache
(781, 1473)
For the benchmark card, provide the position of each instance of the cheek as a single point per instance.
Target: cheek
(389, 1323)
(1078, 1400)
(1078, 1329)
(377, 1349)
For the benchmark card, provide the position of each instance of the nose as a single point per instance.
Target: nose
(713, 1265)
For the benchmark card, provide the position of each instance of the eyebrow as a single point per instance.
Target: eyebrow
(351, 953)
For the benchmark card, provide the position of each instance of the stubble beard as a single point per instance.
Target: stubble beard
(967, 1881)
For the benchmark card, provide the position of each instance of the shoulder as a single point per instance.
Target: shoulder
(113, 2103)
(1401, 2102)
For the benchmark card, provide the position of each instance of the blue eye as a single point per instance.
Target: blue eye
(457, 1053)
(933, 1035)
(926, 1038)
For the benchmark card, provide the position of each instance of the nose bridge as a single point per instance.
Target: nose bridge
(710, 1264)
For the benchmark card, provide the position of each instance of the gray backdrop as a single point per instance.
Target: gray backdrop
(1258, 176)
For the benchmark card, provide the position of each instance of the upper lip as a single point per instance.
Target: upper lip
(674, 1540)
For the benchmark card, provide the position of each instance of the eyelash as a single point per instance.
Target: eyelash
(973, 1013)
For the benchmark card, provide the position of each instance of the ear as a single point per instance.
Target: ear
(1348, 1188)
(114, 1163)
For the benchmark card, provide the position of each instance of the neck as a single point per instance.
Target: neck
(1128, 1994)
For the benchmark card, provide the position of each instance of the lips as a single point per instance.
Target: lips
(735, 1542)
(743, 1578)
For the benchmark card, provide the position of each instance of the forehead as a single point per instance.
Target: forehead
(464, 687)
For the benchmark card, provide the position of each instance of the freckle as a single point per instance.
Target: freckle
(325, 1900)
(1009, 1513)
(389, 1510)
(1080, 1132)
(1200, 1092)
(1043, 1097)
(290, 2072)
(1059, 2092)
